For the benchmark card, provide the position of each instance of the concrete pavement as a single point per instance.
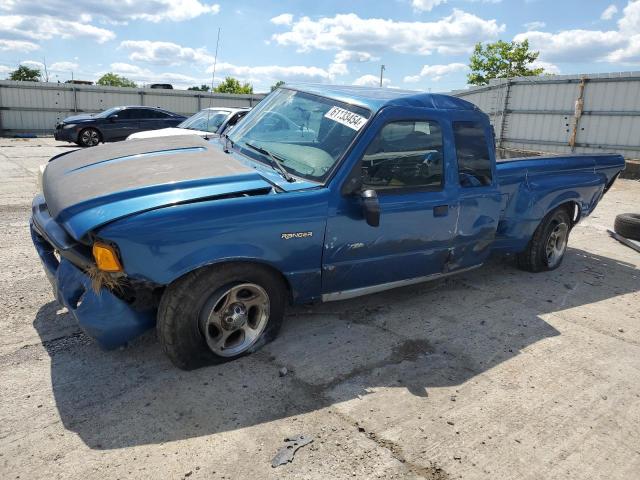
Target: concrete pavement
(496, 373)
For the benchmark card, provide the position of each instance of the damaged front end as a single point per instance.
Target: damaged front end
(109, 307)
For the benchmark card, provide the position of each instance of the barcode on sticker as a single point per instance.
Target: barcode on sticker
(345, 117)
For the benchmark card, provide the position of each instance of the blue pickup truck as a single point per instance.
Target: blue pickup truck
(321, 193)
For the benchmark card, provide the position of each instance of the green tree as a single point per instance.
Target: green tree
(114, 80)
(501, 60)
(25, 74)
(232, 85)
(276, 85)
(201, 88)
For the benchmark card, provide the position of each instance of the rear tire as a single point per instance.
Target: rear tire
(547, 247)
(628, 225)
(220, 313)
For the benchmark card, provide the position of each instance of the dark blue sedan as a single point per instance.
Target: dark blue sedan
(114, 124)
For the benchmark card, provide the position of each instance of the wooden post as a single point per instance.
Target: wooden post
(579, 108)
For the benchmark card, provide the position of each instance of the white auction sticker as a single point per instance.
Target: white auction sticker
(345, 117)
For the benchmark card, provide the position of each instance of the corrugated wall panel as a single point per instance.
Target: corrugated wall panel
(27, 107)
(540, 115)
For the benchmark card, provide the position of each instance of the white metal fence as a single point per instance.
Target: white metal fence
(34, 107)
(564, 113)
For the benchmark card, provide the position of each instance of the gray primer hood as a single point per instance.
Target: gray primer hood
(90, 187)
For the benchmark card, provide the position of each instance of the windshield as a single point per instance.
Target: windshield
(205, 120)
(306, 132)
(107, 112)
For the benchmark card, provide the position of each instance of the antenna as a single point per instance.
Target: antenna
(382, 69)
(213, 76)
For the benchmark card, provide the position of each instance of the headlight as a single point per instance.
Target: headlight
(71, 125)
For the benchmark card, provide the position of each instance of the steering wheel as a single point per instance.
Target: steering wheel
(469, 178)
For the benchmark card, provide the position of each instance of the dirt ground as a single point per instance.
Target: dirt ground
(496, 374)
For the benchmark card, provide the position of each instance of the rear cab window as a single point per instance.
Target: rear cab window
(472, 152)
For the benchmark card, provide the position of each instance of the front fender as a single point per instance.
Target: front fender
(163, 245)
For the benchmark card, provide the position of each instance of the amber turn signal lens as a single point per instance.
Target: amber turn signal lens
(106, 258)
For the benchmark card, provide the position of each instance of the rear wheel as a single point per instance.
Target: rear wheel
(89, 137)
(549, 243)
(220, 313)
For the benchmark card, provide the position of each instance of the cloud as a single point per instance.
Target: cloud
(17, 46)
(338, 69)
(144, 75)
(609, 12)
(342, 58)
(112, 11)
(64, 66)
(630, 21)
(283, 19)
(573, 45)
(620, 46)
(426, 5)
(46, 28)
(349, 56)
(534, 25)
(371, 81)
(268, 73)
(165, 53)
(33, 64)
(456, 33)
(436, 72)
(549, 68)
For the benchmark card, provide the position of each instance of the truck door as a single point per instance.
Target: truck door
(404, 162)
(478, 195)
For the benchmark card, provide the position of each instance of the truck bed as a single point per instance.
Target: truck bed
(535, 185)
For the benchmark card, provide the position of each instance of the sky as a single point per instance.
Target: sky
(424, 44)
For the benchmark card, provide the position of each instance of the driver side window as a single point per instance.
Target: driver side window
(405, 154)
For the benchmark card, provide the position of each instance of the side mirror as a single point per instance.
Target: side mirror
(113, 117)
(370, 207)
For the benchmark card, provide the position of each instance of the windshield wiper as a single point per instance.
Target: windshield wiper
(275, 161)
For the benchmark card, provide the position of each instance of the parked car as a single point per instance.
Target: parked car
(204, 123)
(161, 86)
(113, 124)
(211, 240)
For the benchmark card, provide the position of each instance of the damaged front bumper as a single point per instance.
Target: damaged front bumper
(111, 321)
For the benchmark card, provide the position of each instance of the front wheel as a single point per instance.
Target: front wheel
(548, 244)
(89, 137)
(220, 313)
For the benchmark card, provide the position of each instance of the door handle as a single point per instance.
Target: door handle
(441, 211)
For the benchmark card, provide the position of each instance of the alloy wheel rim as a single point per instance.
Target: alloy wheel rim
(556, 244)
(90, 137)
(232, 320)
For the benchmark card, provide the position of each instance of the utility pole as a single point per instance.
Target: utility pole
(382, 69)
(46, 73)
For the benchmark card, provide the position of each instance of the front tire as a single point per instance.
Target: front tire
(220, 313)
(548, 245)
(89, 137)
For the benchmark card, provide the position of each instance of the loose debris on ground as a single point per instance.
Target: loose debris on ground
(292, 444)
